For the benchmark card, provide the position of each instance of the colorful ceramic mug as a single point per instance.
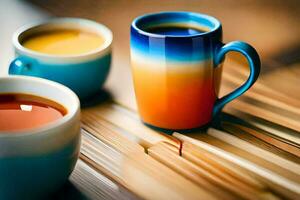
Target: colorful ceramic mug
(177, 74)
(34, 163)
(84, 73)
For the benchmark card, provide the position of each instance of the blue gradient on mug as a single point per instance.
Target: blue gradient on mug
(187, 48)
(173, 73)
(176, 76)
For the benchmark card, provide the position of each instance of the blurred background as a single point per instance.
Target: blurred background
(271, 26)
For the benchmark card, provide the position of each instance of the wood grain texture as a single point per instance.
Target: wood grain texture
(130, 122)
(264, 140)
(276, 182)
(259, 152)
(221, 185)
(257, 159)
(95, 186)
(140, 173)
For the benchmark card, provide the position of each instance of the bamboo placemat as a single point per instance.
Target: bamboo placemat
(255, 154)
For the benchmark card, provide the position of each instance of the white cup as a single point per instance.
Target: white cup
(37, 162)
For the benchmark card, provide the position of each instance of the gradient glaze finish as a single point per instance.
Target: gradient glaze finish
(176, 77)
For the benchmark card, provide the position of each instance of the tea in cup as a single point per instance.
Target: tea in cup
(39, 136)
(21, 111)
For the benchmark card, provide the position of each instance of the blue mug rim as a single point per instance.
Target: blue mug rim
(216, 24)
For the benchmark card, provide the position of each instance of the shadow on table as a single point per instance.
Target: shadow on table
(100, 97)
(283, 58)
(68, 192)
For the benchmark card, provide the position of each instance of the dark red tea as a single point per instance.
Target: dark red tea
(24, 111)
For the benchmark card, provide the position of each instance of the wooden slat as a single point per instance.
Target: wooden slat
(251, 157)
(223, 186)
(265, 140)
(262, 112)
(265, 90)
(276, 182)
(115, 139)
(139, 173)
(250, 148)
(95, 151)
(93, 185)
(273, 99)
(130, 122)
(199, 156)
(162, 154)
(280, 132)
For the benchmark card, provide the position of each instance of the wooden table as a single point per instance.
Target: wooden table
(260, 131)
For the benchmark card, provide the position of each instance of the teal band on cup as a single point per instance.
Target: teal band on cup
(84, 73)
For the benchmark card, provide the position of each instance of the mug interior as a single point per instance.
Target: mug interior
(186, 19)
(43, 88)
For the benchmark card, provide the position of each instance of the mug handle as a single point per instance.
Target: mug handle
(22, 66)
(254, 63)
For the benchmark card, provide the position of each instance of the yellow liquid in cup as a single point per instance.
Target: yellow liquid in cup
(64, 42)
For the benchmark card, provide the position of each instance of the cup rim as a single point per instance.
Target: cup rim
(216, 22)
(101, 50)
(75, 104)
